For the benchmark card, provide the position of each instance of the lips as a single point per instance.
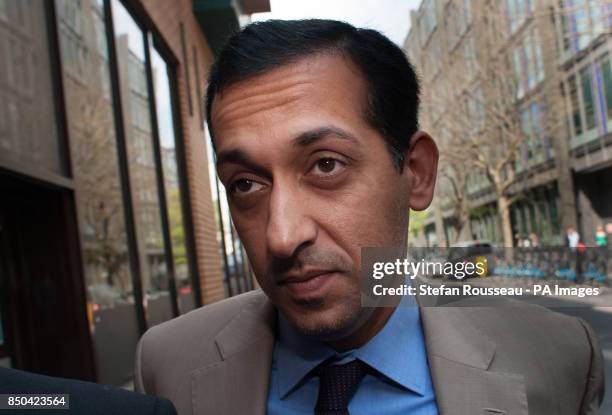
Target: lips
(308, 284)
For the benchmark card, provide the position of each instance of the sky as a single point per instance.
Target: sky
(391, 17)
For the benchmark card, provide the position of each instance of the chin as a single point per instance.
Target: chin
(328, 324)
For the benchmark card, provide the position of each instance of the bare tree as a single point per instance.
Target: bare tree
(478, 105)
(94, 157)
(93, 147)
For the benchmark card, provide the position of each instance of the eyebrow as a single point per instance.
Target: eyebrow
(309, 137)
(304, 139)
(237, 156)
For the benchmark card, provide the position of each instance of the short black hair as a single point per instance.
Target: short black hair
(393, 89)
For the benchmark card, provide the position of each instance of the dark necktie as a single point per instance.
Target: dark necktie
(338, 384)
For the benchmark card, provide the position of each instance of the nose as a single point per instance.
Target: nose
(290, 224)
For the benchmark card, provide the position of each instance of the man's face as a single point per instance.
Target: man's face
(309, 183)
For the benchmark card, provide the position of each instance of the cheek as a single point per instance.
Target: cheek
(252, 235)
(370, 215)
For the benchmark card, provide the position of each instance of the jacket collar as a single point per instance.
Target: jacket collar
(459, 357)
(254, 324)
(238, 384)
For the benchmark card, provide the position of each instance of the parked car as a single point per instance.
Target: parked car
(475, 251)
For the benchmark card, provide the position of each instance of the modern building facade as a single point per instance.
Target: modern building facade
(556, 57)
(108, 224)
(585, 41)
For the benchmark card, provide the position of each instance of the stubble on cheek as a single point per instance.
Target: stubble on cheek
(322, 315)
(332, 319)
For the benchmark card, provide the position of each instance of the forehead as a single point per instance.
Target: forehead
(319, 89)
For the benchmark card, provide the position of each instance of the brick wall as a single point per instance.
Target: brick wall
(167, 17)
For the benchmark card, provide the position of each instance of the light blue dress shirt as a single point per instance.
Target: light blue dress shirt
(401, 383)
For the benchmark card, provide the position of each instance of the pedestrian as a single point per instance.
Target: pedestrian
(534, 240)
(518, 238)
(601, 239)
(572, 238)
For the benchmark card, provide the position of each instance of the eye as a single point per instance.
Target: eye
(327, 166)
(243, 187)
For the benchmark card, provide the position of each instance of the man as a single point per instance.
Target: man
(572, 238)
(314, 125)
(84, 398)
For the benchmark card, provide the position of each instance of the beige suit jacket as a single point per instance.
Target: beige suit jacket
(489, 361)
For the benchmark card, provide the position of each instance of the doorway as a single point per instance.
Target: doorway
(44, 326)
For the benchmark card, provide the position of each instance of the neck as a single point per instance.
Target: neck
(374, 323)
(366, 332)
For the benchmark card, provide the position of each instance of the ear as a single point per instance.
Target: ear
(421, 162)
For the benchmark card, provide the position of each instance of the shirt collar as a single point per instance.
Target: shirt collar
(398, 351)
(296, 354)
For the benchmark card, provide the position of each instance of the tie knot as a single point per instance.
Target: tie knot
(338, 384)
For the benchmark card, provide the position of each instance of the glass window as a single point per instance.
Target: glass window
(606, 70)
(130, 48)
(167, 138)
(228, 237)
(607, 16)
(28, 129)
(566, 32)
(511, 9)
(539, 64)
(587, 97)
(536, 120)
(517, 11)
(74, 52)
(596, 7)
(93, 146)
(467, 6)
(215, 186)
(573, 89)
(537, 143)
(580, 19)
(528, 131)
(520, 12)
(526, 122)
(529, 63)
(518, 70)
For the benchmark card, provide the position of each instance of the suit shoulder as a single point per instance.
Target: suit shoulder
(522, 317)
(543, 318)
(533, 334)
(169, 352)
(547, 348)
(203, 323)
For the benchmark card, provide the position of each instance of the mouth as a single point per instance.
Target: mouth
(307, 285)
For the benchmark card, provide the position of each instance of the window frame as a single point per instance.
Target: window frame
(149, 31)
(181, 160)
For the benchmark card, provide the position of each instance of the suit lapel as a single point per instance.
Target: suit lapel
(239, 383)
(460, 357)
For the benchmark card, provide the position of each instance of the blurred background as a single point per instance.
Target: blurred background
(111, 216)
